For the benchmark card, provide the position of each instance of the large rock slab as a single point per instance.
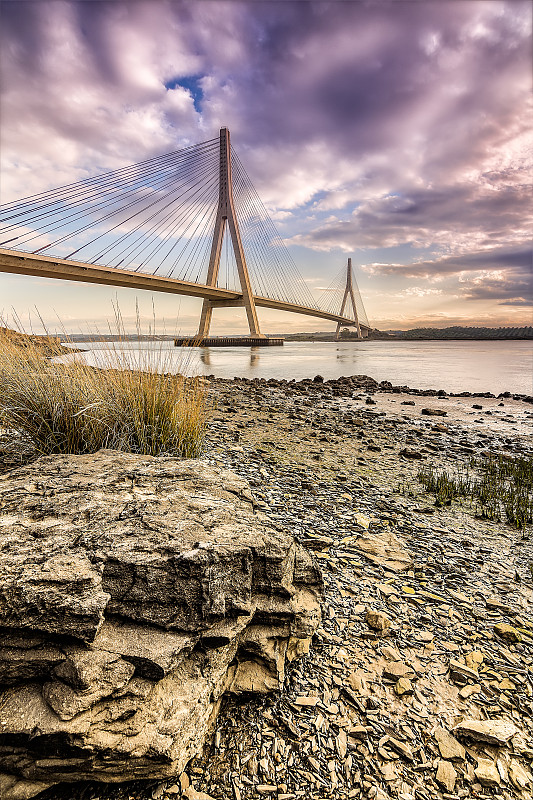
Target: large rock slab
(492, 731)
(386, 549)
(135, 592)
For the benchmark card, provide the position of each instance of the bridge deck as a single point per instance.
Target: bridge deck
(19, 263)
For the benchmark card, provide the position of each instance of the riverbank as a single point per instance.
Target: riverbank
(411, 643)
(455, 333)
(49, 346)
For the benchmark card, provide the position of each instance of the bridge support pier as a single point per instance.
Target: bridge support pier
(226, 215)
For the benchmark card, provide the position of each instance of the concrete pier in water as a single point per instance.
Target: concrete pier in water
(228, 341)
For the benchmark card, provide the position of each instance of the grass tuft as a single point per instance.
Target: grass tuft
(500, 487)
(132, 404)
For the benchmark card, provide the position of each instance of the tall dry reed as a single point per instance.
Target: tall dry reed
(129, 403)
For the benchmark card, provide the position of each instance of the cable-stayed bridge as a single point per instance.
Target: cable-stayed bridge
(188, 223)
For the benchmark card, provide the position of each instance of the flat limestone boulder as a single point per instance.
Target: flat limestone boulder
(135, 592)
(492, 731)
(386, 549)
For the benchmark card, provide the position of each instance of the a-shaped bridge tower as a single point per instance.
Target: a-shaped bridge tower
(226, 216)
(349, 298)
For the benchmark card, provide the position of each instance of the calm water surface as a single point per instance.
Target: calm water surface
(452, 366)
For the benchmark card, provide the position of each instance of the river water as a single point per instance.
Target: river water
(454, 366)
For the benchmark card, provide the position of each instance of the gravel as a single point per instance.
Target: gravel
(414, 650)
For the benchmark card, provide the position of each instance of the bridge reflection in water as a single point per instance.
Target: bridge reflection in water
(253, 352)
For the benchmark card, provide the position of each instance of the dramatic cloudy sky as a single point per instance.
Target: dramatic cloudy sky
(393, 132)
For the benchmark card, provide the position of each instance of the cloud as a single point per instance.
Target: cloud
(452, 217)
(397, 129)
(503, 275)
(517, 301)
(419, 291)
(507, 288)
(362, 92)
(503, 258)
(503, 319)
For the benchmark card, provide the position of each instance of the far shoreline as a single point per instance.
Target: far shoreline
(296, 337)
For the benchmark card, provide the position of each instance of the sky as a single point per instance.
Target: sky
(394, 132)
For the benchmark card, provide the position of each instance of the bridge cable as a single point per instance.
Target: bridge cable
(114, 173)
(191, 170)
(196, 170)
(48, 212)
(160, 226)
(258, 242)
(281, 256)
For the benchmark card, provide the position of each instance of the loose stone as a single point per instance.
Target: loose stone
(492, 731)
(377, 620)
(446, 775)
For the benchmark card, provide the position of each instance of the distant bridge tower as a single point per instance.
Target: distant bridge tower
(226, 214)
(349, 295)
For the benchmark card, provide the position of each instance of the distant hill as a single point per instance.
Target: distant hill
(455, 333)
(458, 332)
(115, 337)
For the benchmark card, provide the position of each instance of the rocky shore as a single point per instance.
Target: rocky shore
(419, 683)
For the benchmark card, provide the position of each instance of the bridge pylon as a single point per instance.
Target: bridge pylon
(226, 214)
(349, 294)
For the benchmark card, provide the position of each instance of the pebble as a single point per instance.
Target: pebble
(492, 731)
(446, 775)
(519, 777)
(403, 687)
(468, 691)
(449, 747)
(306, 701)
(397, 669)
(507, 632)
(487, 773)
(377, 620)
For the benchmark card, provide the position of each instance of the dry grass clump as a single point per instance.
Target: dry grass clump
(76, 408)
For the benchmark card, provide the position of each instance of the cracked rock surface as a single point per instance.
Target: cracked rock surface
(135, 592)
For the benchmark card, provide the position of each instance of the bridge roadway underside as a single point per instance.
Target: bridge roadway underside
(18, 263)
